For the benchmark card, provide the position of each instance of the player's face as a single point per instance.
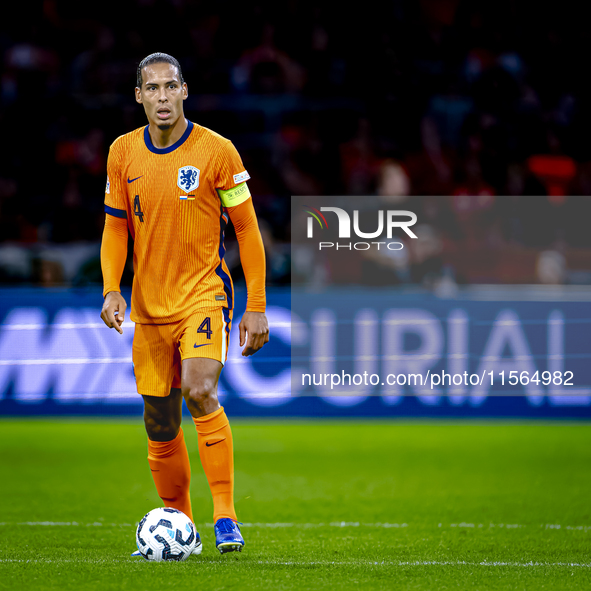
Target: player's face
(162, 94)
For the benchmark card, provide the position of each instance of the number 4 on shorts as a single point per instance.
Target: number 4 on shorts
(205, 327)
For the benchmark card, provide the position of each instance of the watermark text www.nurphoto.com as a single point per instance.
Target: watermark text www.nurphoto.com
(509, 378)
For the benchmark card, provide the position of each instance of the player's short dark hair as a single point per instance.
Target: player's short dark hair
(158, 58)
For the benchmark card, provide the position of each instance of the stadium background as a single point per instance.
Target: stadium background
(481, 105)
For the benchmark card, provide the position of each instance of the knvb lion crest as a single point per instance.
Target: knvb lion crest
(188, 178)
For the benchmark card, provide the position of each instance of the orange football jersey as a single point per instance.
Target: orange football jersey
(176, 217)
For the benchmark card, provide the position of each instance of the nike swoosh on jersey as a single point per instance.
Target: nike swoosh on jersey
(196, 346)
(135, 179)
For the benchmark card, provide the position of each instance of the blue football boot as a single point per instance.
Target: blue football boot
(227, 536)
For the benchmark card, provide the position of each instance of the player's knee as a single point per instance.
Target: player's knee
(202, 393)
(160, 431)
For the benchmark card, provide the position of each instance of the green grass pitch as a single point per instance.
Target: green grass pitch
(325, 504)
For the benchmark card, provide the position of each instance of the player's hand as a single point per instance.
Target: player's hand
(113, 312)
(254, 332)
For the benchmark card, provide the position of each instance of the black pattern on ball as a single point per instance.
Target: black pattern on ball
(163, 522)
(179, 537)
(167, 553)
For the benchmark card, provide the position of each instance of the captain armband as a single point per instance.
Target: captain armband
(234, 196)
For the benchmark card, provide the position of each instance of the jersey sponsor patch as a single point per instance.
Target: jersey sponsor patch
(188, 178)
(108, 188)
(235, 196)
(241, 177)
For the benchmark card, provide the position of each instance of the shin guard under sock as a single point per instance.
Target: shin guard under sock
(171, 471)
(217, 458)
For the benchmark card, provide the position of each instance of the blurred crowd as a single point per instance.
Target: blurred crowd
(479, 106)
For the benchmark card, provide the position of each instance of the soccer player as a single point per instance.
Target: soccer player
(173, 185)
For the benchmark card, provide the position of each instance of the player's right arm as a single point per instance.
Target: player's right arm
(114, 244)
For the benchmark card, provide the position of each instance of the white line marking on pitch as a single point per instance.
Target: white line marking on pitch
(303, 563)
(426, 563)
(546, 526)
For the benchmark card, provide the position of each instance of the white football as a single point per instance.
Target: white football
(166, 534)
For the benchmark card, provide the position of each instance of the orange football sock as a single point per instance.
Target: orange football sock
(171, 471)
(214, 438)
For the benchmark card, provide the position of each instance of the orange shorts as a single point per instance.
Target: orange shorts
(159, 349)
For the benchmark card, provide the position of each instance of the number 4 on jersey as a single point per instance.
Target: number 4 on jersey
(205, 327)
(137, 208)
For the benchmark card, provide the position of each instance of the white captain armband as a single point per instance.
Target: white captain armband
(234, 196)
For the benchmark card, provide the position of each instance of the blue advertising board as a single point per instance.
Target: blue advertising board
(429, 356)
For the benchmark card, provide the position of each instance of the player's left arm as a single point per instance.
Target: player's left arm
(254, 328)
